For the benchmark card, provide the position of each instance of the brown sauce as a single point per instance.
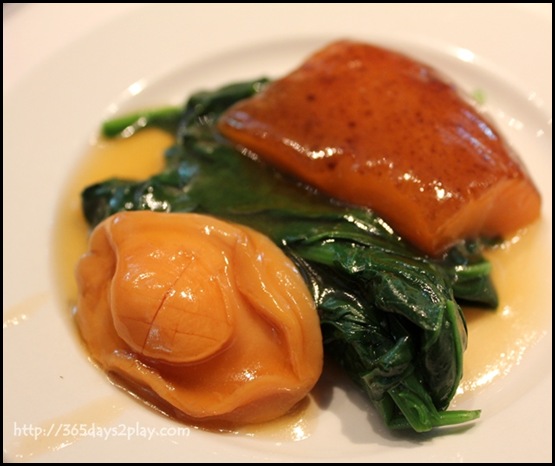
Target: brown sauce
(498, 339)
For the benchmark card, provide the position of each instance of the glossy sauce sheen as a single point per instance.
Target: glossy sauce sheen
(133, 158)
(208, 317)
(498, 341)
(372, 127)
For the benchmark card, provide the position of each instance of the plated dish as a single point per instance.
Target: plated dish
(246, 61)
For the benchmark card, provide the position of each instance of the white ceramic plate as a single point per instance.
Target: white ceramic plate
(66, 67)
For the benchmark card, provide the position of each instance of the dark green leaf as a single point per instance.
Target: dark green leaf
(389, 314)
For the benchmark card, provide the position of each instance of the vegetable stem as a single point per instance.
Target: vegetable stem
(127, 125)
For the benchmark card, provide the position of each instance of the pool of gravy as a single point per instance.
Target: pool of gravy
(497, 341)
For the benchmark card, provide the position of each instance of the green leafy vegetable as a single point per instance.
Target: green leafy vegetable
(389, 314)
(165, 118)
